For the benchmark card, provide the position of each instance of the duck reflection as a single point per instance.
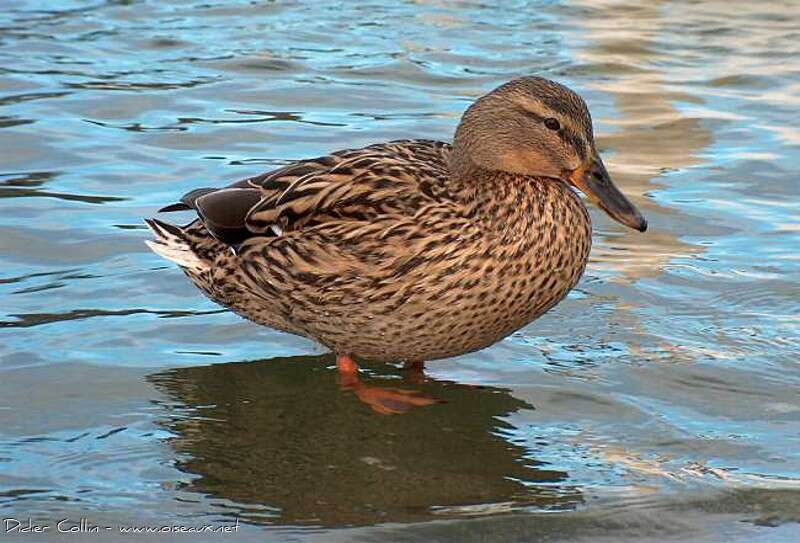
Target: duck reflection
(281, 435)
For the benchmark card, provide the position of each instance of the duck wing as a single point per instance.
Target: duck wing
(378, 181)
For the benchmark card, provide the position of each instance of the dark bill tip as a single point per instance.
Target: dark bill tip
(598, 187)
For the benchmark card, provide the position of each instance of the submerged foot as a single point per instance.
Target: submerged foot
(392, 401)
(383, 400)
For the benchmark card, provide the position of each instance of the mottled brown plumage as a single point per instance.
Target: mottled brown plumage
(410, 250)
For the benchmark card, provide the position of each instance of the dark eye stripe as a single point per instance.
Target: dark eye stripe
(575, 142)
(566, 135)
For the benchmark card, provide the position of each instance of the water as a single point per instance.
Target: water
(660, 400)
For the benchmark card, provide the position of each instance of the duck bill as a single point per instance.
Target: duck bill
(593, 180)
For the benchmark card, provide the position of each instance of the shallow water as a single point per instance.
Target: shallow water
(660, 400)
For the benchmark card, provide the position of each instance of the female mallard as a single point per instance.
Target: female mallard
(410, 250)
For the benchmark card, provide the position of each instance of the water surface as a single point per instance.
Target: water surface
(660, 400)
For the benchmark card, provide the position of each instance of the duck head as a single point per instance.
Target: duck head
(536, 127)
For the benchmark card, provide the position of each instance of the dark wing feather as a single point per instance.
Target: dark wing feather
(188, 200)
(223, 213)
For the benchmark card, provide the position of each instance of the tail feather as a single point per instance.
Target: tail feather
(171, 243)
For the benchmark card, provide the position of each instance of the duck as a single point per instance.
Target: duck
(410, 250)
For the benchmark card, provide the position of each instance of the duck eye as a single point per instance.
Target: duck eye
(552, 123)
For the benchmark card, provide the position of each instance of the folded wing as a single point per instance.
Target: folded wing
(395, 178)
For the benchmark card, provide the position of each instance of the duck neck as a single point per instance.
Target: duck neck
(461, 165)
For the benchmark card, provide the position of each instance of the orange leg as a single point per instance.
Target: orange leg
(346, 365)
(387, 401)
(415, 372)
